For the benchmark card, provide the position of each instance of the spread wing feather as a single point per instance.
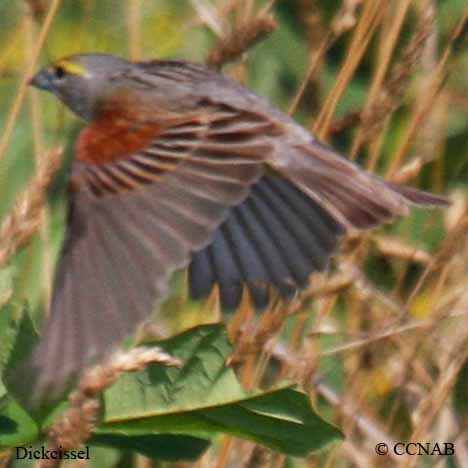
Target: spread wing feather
(290, 225)
(129, 228)
(196, 192)
(278, 236)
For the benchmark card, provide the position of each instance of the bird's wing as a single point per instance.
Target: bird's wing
(289, 225)
(132, 221)
(146, 194)
(277, 237)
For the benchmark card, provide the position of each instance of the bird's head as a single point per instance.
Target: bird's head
(82, 81)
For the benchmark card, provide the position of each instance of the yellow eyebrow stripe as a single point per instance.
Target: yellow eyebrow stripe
(72, 67)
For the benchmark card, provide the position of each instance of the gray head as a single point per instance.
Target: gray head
(81, 81)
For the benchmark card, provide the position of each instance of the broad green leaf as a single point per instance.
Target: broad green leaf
(16, 337)
(16, 426)
(164, 447)
(282, 420)
(204, 379)
(202, 399)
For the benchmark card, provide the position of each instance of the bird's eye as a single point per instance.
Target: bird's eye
(59, 72)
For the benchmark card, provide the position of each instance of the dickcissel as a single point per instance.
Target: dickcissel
(181, 166)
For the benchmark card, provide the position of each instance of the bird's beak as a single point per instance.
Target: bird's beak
(42, 80)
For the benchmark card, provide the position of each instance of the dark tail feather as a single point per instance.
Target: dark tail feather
(419, 197)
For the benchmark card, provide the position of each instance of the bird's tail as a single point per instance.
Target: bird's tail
(358, 199)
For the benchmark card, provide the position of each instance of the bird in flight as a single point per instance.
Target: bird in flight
(179, 166)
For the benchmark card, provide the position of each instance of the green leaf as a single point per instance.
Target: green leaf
(17, 335)
(282, 420)
(204, 379)
(16, 426)
(202, 399)
(17, 338)
(10, 321)
(164, 447)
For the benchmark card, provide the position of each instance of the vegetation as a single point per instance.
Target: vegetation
(378, 347)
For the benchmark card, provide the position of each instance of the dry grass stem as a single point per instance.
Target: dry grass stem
(390, 332)
(25, 217)
(75, 426)
(385, 97)
(446, 252)
(408, 171)
(394, 247)
(344, 20)
(346, 17)
(16, 107)
(240, 39)
(431, 404)
(252, 337)
(209, 16)
(349, 120)
(134, 28)
(313, 62)
(37, 132)
(426, 103)
(363, 32)
(350, 409)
